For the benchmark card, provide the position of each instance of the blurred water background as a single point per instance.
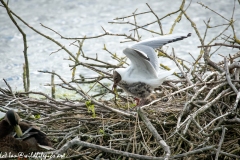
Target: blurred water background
(77, 18)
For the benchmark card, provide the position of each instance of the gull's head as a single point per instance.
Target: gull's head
(116, 79)
(13, 120)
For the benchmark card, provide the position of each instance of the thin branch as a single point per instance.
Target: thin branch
(153, 130)
(208, 60)
(77, 141)
(220, 44)
(228, 76)
(26, 65)
(220, 143)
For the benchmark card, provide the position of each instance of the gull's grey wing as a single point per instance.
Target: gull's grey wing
(147, 46)
(157, 42)
(140, 66)
(149, 53)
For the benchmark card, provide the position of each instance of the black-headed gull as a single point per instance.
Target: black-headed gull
(141, 77)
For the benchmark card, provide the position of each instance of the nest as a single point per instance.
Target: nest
(197, 121)
(193, 117)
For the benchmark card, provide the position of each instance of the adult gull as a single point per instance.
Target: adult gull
(141, 77)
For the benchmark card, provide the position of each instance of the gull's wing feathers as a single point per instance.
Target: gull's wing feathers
(148, 53)
(157, 42)
(140, 68)
(144, 61)
(147, 46)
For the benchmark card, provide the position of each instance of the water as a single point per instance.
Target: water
(73, 18)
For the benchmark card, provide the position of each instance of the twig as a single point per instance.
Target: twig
(174, 93)
(203, 108)
(185, 75)
(212, 10)
(214, 89)
(234, 65)
(194, 26)
(234, 56)
(77, 141)
(236, 102)
(178, 17)
(133, 24)
(136, 14)
(185, 109)
(224, 115)
(26, 68)
(220, 44)
(153, 130)
(85, 37)
(228, 154)
(53, 88)
(183, 2)
(228, 76)
(89, 98)
(159, 22)
(56, 42)
(220, 142)
(200, 150)
(209, 62)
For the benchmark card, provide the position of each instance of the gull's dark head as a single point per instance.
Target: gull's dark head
(116, 79)
(12, 118)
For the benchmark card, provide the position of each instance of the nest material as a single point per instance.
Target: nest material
(191, 125)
